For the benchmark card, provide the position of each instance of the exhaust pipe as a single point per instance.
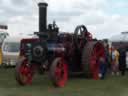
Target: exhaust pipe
(42, 17)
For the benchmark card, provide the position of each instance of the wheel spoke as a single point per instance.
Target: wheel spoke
(58, 72)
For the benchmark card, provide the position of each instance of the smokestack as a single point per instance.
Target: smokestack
(42, 17)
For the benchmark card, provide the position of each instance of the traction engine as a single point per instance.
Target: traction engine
(58, 53)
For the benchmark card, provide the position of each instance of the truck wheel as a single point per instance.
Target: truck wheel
(24, 72)
(90, 57)
(58, 72)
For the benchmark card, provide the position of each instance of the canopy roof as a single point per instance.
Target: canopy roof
(123, 37)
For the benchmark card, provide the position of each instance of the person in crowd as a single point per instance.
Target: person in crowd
(107, 57)
(122, 61)
(102, 69)
(115, 61)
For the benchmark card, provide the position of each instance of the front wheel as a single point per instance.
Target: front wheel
(59, 72)
(24, 72)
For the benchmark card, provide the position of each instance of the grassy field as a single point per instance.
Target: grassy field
(111, 86)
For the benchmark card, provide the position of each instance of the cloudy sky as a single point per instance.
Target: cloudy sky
(103, 18)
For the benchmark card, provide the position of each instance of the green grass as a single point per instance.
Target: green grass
(111, 86)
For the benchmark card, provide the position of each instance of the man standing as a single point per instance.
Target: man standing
(103, 68)
(122, 61)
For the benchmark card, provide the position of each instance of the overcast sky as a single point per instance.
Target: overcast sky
(103, 18)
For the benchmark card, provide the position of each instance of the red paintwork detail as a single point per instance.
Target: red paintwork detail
(29, 40)
(98, 51)
(24, 41)
(61, 72)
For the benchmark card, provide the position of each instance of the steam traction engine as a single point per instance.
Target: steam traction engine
(59, 53)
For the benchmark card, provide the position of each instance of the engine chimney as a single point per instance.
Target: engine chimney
(42, 17)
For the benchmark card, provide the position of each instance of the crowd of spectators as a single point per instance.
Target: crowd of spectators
(114, 62)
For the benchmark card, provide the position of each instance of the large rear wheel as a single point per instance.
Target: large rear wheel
(24, 72)
(59, 72)
(90, 58)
